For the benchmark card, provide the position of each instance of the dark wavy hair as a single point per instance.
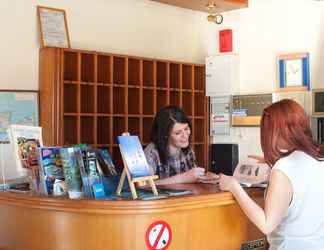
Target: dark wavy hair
(162, 126)
(286, 121)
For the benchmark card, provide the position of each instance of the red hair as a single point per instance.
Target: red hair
(286, 123)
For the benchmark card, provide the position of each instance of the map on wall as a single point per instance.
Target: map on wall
(17, 108)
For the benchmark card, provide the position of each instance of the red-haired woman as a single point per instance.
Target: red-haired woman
(293, 216)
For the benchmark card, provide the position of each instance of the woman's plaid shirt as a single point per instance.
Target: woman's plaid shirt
(176, 164)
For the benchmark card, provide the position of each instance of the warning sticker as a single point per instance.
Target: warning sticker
(158, 236)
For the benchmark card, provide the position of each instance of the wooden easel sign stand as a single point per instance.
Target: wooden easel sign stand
(135, 164)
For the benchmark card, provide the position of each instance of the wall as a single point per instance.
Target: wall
(262, 31)
(143, 28)
(133, 27)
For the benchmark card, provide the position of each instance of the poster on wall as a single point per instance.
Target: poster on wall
(17, 107)
(53, 27)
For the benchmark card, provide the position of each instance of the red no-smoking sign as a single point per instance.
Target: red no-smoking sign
(158, 236)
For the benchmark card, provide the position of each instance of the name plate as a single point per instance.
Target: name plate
(254, 244)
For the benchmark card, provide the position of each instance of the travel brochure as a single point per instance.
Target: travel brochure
(24, 141)
(77, 171)
(134, 156)
(51, 170)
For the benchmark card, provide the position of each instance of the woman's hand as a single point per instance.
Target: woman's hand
(190, 176)
(226, 183)
(209, 178)
(193, 174)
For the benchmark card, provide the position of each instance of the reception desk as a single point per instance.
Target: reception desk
(207, 220)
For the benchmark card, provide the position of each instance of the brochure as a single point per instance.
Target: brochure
(134, 156)
(251, 174)
(24, 141)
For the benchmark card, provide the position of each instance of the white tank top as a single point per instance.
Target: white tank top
(302, 228)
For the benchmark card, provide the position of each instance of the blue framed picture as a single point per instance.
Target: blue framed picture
(294, 70)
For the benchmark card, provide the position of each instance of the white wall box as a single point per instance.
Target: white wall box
(222, 74)
(301, 97)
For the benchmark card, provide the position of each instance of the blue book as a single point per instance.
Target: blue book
(134, 156)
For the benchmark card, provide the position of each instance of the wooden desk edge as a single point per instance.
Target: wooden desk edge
(124, 206)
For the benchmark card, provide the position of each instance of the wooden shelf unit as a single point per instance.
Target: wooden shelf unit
(91, 97)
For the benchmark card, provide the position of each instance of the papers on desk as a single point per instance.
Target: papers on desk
(21, 184)
(147, 194)
(174, 192)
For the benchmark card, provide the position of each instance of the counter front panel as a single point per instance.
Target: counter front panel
(207, 220)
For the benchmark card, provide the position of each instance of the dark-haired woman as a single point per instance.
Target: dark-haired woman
(293, 217)
(169, 153)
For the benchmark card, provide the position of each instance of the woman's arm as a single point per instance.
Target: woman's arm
(190, 176)
(277, 200)
(258, 158)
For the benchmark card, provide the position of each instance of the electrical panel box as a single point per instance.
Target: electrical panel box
(247, 109)
(220, 115)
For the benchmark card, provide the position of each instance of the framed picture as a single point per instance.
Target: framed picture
(17, 107)
(294, 70)
(53, 27)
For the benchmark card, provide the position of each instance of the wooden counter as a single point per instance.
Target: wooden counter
(209, 219)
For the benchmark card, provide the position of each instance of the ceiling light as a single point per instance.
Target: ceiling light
(213, 15)
(216, 18)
